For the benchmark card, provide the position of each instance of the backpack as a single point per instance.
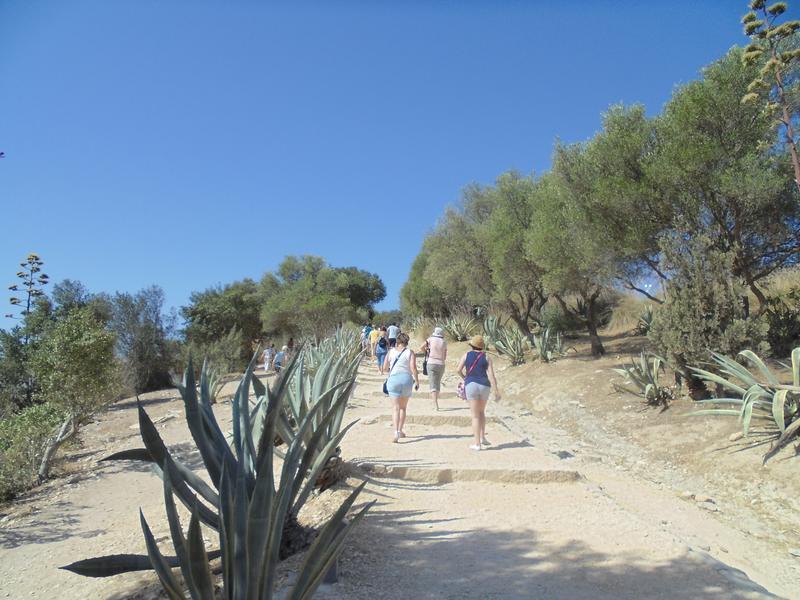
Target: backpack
(382, 343)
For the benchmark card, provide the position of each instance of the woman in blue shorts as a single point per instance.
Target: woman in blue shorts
(401, 365)
(479, 380)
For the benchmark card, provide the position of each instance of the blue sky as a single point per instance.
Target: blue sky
(191, 143)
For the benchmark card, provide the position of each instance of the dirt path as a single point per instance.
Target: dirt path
(531, 518)
(517, 521)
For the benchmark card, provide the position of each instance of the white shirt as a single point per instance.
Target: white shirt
(392, 331)
(402, 364)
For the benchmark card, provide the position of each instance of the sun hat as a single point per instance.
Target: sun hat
(438, 332)
(285, 348)
(477, 342)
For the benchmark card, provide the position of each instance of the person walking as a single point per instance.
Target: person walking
(373, 339)
(479, 380)
(401, 365)
(280, 359)
(381, 348)
(269, 355)
(435, 349)
(393, 331)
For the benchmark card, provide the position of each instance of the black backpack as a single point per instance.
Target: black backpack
(382, 342)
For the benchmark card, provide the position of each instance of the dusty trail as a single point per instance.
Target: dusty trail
(515, 521)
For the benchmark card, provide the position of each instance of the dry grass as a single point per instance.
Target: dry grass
(627, 311)
(782, 282)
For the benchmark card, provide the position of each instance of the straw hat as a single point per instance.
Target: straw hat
(477, 342)
(438, 332)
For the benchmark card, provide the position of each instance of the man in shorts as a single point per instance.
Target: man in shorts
(392, 332)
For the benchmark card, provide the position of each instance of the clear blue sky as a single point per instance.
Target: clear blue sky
(190, 143)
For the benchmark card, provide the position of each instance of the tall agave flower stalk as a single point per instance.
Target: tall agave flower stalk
(247, 502)
(758, 395)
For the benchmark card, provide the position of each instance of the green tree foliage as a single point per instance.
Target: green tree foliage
(613, 194)
(143, 339)
(306, 296)
(516, 275)
(215, 312)
(775, 50)
(574, 264)
(705, 173)
(712, 170)
(419, 296)
(77, 373)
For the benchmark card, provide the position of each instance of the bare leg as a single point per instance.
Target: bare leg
(435, 396)
(395, 417)
(477, 407)
(402, 404)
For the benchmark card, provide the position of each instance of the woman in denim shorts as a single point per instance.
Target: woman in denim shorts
(401, 364)
(478, 373)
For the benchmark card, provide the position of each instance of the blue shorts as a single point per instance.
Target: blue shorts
(381, 357)
(477, 391)
(400, 385)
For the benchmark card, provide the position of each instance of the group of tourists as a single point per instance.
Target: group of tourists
(399, 363)
(377, 341)
(274, 360)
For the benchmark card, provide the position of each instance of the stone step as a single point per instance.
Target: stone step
(433, 475)
(437, 420)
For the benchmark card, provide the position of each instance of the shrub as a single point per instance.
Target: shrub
(783, 322)
(23, 437)
(223, 354)
(703, 309)
(553, 316)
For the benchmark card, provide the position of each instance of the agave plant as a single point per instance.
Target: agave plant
(242, 473)
(459, 326)
(645, 320)
(513, 344)
(756, 395)
(549, 345)
(492, 328)
(645, 376)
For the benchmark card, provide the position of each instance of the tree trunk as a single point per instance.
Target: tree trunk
(597, 344)
(66, 431)
(591, 324)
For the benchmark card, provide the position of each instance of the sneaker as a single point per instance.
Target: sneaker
(485, 442)
(474, 447)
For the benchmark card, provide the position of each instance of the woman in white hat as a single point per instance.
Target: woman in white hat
(479, 380)
(435, 349)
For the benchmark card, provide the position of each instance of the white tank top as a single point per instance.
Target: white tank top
(402, 364)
